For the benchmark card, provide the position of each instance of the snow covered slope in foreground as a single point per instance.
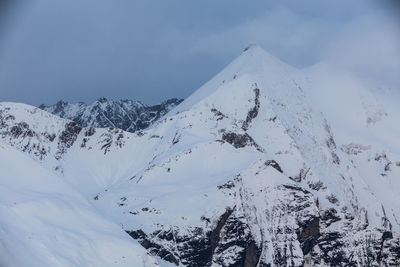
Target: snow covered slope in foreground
(254, 169)
(45, 222)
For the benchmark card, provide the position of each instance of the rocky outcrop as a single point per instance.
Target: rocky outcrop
(227, 243)
(240, 140)
(254, 111)
(127, 115)
(67, 137)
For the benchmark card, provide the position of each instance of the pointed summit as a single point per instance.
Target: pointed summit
(257, 59)
(257, 50)
(253, 61)
(250, 47)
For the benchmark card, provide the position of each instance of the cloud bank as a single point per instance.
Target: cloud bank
(150, 50)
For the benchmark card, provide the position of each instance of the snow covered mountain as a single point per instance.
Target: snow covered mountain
(127, 115)
(264, 165)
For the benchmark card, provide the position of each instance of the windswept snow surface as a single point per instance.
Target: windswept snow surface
(263, 165)
(45, 222)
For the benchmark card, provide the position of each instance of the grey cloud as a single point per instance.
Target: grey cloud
(150, 50)
(370, 47)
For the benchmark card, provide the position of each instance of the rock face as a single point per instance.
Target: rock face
(127, 115)
(251, 170)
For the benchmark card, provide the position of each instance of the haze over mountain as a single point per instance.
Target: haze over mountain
(264, 165)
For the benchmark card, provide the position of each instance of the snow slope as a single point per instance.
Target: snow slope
(45, 222)
(263, 165)
(357, 109)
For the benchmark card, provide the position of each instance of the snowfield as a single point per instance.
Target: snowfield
(45, 222)
(264, 165)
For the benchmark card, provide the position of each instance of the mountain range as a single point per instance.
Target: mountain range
(264, 165)
(127, 115)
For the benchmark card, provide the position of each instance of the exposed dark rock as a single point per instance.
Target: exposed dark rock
(215, 234)
(21, 130)
(332, 248)
(330, 216)
(332, 198)
(176, 138)
(274, 165)
(308, 234)
(387, 167)
(227, 185)
(240, 140)
(50, 137)
(254, 111)
(153, 248)
(236, 234)
(316, 186)
(249, 47)
(127, 115)
(380, 157)
(114, 135)
(67, 137)
(202, 248)
(296, 188)
(386, 163)
(90, 131)
(301, 176)
(218, 114)
(330, 142)
(273, 119)
(387, 235)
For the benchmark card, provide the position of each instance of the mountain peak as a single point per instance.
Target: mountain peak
(253, 61)
(256, 56)
(102, 100)
(256, 51)
(250, 47)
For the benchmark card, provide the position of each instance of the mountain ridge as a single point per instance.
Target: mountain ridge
(248, 171)
(128, 115)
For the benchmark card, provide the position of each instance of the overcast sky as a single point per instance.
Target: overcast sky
(150, 50)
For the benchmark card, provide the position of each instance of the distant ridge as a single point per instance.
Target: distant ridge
(128, 115)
